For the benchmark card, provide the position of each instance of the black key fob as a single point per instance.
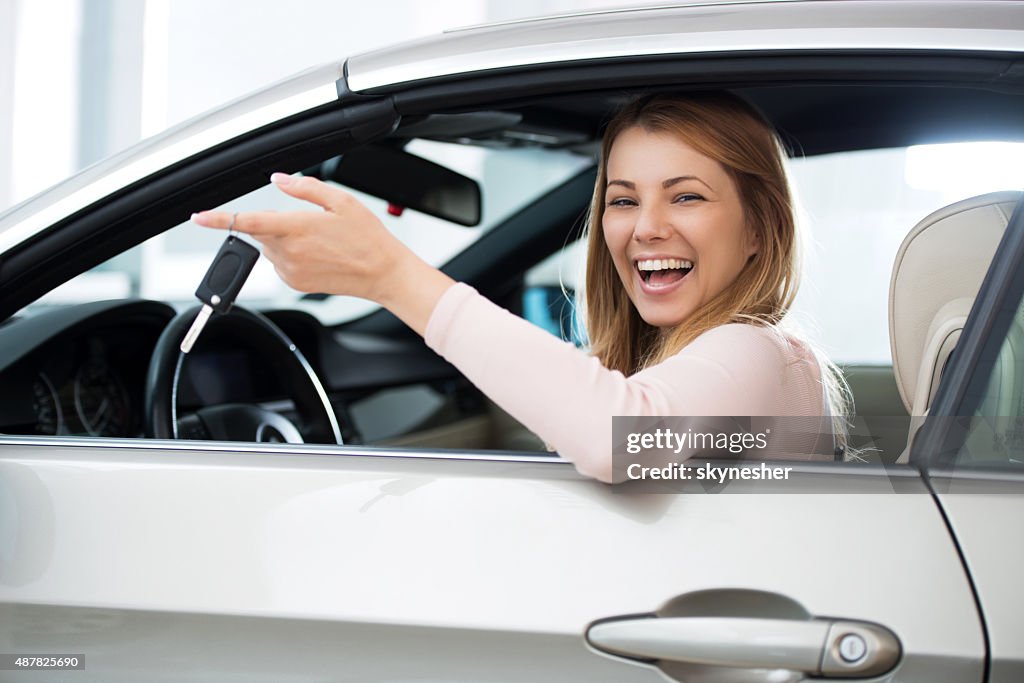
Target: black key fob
(227, 274)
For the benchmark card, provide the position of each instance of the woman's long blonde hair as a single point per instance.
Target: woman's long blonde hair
(726, 129)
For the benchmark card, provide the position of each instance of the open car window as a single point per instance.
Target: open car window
(392, 391)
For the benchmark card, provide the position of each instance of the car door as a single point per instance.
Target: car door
(200, 561)
(974, 453)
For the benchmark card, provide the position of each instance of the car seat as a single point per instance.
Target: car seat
(935, 278)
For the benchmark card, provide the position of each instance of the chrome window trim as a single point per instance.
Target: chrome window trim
(798, 466)
(965, 473)
(270, 449)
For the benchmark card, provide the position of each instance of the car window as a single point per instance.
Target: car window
(995, 431)
(858, 206)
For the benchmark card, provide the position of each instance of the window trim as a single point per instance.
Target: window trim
(838, 471)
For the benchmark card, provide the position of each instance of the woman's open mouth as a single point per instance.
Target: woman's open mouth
(662, 273)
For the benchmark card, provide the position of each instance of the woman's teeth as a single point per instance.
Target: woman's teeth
(661, 272)
(664, 264)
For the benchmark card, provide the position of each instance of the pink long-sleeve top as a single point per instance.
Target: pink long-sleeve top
(568, 398)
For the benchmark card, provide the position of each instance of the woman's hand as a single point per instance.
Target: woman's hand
(343, 250)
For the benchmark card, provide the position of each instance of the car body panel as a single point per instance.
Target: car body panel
(978, 507)
(697, 29)
(335, 542)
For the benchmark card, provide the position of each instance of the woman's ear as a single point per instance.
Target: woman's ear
(753, 244)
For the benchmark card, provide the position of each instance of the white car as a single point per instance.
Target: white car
(313, 495)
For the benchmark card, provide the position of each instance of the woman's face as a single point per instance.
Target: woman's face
(673, 224)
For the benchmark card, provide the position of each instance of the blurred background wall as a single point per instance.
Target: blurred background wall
(82, 79)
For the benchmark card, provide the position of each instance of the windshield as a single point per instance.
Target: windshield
(170, 266)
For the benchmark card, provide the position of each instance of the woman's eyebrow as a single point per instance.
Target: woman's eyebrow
(629, 185)
(672, 181)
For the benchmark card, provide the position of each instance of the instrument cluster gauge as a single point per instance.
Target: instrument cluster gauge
(101, 400)
(46, 404)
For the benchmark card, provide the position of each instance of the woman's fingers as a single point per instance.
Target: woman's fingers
(313, 190)
(259, 224)
(344, 249)
(213, 219)
(264, 223)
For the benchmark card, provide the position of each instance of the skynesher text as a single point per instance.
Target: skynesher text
(708, 472)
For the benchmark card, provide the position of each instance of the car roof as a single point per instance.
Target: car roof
(991, 25)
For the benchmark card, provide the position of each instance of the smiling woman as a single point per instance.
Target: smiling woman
(693, 209)
(709, 180)
(691, 267)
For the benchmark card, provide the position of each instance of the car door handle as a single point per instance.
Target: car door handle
(817, 647)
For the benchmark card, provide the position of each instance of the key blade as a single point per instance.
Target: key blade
(197, 326)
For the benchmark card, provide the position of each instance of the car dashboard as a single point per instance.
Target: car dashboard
(81, 371)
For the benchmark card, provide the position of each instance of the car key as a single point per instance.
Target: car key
(221, 284)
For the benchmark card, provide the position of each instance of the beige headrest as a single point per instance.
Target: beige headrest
(937, 274)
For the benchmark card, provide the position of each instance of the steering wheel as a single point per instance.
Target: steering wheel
(237, 421)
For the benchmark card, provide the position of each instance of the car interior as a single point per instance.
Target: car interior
(928, 309)
(86, 369)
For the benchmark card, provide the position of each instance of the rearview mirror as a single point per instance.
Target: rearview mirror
(406, 181)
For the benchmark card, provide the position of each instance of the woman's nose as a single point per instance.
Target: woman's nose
(651, 225)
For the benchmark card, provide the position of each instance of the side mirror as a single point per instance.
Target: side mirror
(407, 181)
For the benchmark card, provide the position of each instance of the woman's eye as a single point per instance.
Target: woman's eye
(621, 201)
(688, 197)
